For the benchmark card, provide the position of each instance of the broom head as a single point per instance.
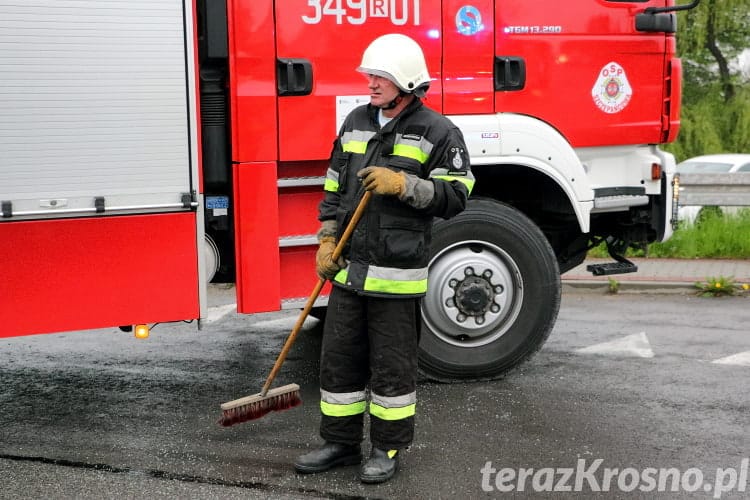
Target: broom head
(255, 406)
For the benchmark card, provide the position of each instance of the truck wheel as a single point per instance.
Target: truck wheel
(493, 296)
(212, 256)
(219, 257)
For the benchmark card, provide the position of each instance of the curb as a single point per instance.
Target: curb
(654, 287)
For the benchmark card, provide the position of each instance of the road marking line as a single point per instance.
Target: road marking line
(742, 359)
(215, 313)
(633, 345)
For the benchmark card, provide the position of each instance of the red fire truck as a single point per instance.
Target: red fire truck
(148, 147)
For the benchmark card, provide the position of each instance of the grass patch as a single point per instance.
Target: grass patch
(720, 286)
(714, 235)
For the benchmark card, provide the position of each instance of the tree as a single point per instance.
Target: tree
(710, 37)
(716, 102)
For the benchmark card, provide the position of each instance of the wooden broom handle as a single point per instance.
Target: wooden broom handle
(316, 291)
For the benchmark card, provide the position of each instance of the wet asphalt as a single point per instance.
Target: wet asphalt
(99, 414)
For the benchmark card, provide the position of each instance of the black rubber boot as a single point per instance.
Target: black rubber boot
(328, 456)
(380, 467)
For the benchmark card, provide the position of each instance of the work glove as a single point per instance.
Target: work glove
(325, 266)
(383, 180)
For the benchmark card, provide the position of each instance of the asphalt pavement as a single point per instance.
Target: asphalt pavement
(663, 275)
(626, 387)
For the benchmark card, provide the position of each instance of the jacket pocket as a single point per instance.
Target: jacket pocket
(402, 241)
(341, 162)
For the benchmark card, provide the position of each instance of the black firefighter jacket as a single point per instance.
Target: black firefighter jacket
(388, 252)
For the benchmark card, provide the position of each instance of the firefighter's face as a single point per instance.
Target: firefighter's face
(382, 90)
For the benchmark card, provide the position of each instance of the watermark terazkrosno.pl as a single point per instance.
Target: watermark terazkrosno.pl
(589, 475)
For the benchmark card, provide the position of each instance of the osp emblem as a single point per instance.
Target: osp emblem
(469, 20)
(612, 90)
(458, 162)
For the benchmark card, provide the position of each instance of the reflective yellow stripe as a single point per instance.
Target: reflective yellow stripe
(393, 286)
(387, 285)
(354, 147)
(469, 183)
(331, 185)
(392, 413)
(341, 276)
(334, 410)
(412, 152)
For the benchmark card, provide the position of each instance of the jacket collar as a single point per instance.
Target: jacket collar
(409, 109)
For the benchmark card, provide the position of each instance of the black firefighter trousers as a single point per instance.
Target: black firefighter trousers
(369, 340)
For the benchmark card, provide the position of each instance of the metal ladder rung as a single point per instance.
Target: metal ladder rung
(298, 241)
(300, 181)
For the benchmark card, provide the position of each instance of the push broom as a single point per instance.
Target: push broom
(287, 396)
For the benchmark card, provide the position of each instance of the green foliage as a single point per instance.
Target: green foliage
(613, 285)
(715, 236)
(716, 99)
(718, 287)
(727, 20)
(700, 131)
(708, 126)
(737, 122)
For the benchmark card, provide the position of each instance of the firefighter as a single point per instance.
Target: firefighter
(415, 162)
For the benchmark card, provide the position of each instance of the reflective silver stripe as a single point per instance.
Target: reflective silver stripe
(441, 172)
(342, 398)
(332, 181)
(469, 183)
(444, 174)
(423, 144)
(410, 148)
(357, 136)
(396, 274)
(394, 401)
(332, 175)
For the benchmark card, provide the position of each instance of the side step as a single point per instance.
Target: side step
(620, 267)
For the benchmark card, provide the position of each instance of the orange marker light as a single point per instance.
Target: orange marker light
(655, 171)
(141, 331)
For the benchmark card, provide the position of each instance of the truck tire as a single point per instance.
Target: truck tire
(493, 296)
(219, 257)
(212, 257)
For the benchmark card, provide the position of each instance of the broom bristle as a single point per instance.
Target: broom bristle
(256, 406)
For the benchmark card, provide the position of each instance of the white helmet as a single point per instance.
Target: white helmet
(399, 59)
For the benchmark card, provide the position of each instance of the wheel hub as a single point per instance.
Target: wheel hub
(474, 296)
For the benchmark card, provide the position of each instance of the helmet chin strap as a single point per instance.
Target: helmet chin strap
(395, 102)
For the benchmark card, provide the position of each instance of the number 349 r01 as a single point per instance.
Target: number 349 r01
(400, 12)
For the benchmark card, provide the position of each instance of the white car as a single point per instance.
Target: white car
(720, 163)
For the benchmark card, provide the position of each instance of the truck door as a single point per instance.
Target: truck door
(98, 177)
(581, 66)
(468, 28)
(319, 46)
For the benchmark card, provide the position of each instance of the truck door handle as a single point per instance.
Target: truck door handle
(510, 73)
(294, 77)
